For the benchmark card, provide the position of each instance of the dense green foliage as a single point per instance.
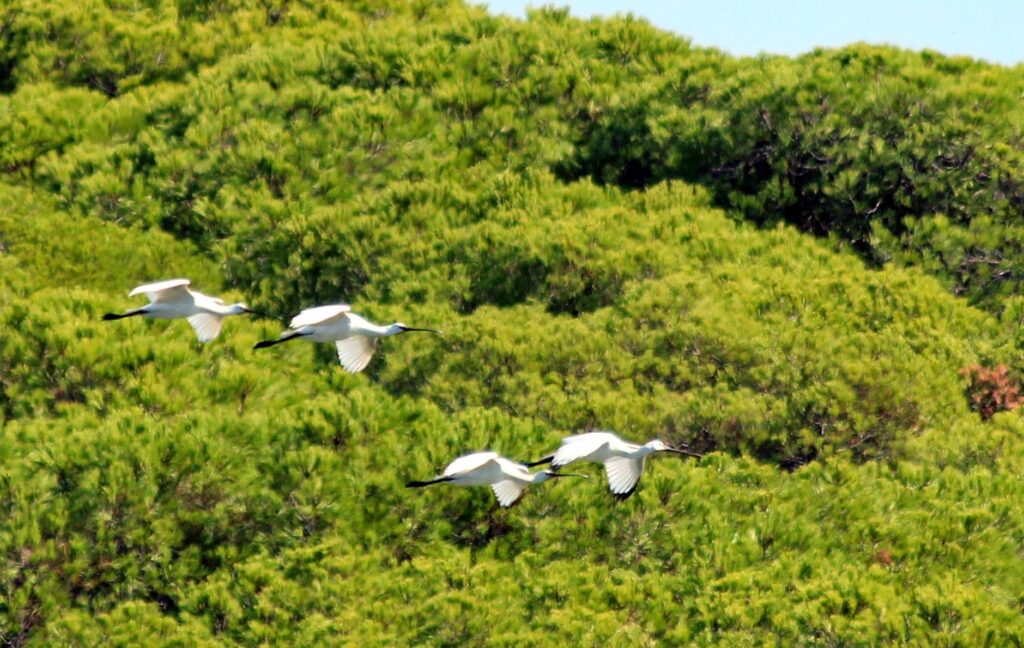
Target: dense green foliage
(613, 228)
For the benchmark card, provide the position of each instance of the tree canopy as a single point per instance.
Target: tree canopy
(808, 269)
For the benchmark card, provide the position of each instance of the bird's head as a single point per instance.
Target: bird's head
(660, 446)
(240, 308)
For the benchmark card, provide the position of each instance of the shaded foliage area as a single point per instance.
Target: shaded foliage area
(517, 184)
(912, 158)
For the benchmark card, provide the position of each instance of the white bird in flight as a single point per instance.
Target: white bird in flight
(355, 337)
(506, 478)
(623, 461)
(172, 299)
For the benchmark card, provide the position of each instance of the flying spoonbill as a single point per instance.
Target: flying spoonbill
(623, 461)
(172, 299)
(355, 337)
(506, 478)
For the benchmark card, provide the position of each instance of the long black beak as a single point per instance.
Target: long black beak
(553, 474)
(406, 329)
(686, 453)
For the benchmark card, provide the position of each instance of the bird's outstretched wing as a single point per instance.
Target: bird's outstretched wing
(580, 446)
(206, 325)
(469, 462)
(171, 290)
(319, 315)
(355, 352)
(508, 492)
(623, 475)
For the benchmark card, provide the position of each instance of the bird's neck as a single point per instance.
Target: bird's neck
(372, 330)
(219, 309)
(539, 477)
(644, 450)
(365, 327)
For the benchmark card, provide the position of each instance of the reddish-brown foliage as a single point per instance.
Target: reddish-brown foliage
(992, 389)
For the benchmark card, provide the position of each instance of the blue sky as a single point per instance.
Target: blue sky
(987, 29)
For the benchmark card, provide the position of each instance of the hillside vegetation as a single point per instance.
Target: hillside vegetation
(809, 269)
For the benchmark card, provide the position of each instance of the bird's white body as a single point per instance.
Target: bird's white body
(355, 337)
(623, 461)
(508, 479)
(336, 322)
(172, 299)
